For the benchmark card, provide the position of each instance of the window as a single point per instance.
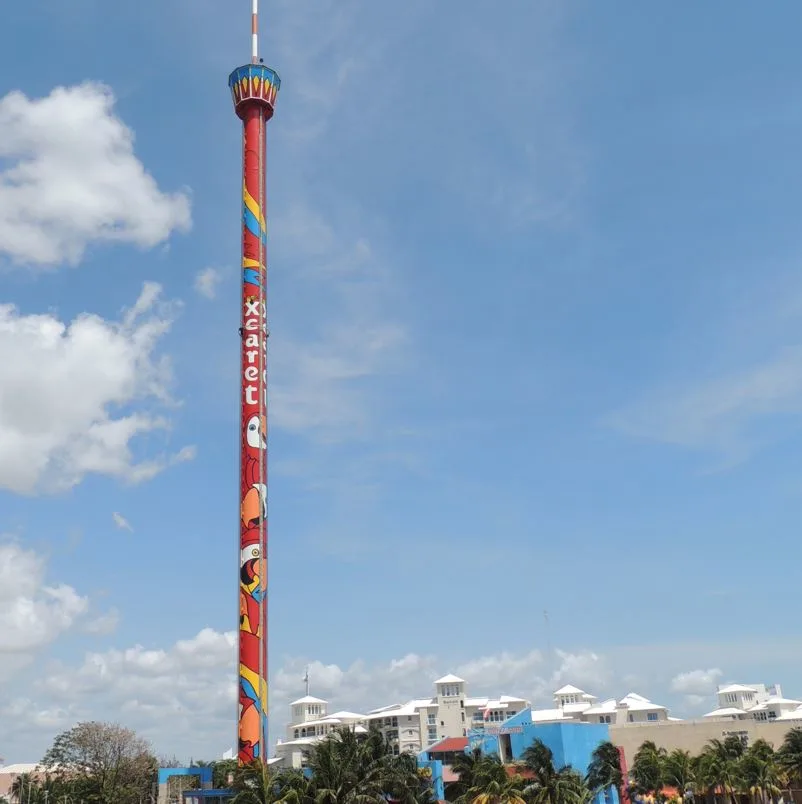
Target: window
(432, 735)
(463, 716)
(432, 720)
(651, 716)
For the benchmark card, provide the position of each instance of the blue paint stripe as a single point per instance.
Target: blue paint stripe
(250, 692)
(252, 224)
(251, 276)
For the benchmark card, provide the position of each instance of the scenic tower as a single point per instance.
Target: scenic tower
(254, 88)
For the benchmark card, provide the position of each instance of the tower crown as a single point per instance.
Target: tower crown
(254, 83)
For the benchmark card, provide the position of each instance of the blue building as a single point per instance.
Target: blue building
(571, 743)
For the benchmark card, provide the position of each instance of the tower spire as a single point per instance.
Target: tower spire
(255, 32)
(306, 680)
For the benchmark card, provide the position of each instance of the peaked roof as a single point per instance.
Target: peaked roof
(308, 699)
(737, 688)
(450, 679)
(569, 689)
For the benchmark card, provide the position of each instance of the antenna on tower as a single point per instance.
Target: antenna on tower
(306, 674)
(255, 32)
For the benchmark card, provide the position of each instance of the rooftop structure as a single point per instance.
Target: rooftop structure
(754, 702)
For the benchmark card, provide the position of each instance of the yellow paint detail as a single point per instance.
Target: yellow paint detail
(256, 683)
(253, 207)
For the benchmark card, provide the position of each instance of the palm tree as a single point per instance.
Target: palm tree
(759, 772)
(475, 770)
(494, 791)
(646, 773)
(679, 770)
(789, 756)
(551, 785)
(256, 784)
(22, 787)
(348, 768)
(718, 767)
(604, 770)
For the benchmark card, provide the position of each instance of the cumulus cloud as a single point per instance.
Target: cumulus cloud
(184, 697)
(206, 282)
(65, 186)
(76, 395)
(121, 522)
(696, 683)
(33, 613)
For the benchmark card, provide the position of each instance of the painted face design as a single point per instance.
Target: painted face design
(254, 433)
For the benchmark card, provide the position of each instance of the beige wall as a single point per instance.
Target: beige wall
(693, 735)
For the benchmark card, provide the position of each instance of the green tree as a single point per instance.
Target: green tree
(102, 763)
(475, 771)
(718, 767)
(646, 774)
(789, 757)
(759, 773)
(222, 770)
(605, 769)
(348, 768)
(679, 770)
(550, 785)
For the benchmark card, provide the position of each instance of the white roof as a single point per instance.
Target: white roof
(326, 721)
(777, 699)
(546, 715)
(633, 702)
(308, 699)
(602, 708)
(348, 715)
(19, 768)
(396, 711)
(569, 689)
(737, 688)
(637, 703)
(727, 711)
(450, 679)
(794, 714)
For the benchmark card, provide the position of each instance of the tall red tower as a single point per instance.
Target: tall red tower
(254, 88)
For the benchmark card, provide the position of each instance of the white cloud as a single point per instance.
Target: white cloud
(121, 522)
(183, 697)
(719, 414)
(70, 183)
(103, 625)
(696, 682)
(206, 282)
(63, 385)
(33, 613)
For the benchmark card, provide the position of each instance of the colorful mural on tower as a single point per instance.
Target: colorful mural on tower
(254, 89)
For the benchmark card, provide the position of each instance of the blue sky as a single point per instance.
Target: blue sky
(536, 343)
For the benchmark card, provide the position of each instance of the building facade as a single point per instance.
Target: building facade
(408, 727)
